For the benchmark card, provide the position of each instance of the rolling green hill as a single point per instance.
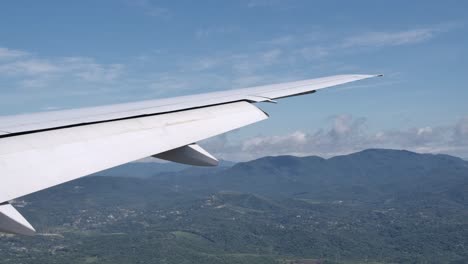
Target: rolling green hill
(374, 206)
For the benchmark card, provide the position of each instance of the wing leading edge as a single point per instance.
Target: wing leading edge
(41, 150)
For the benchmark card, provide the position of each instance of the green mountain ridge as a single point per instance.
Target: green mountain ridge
(374, 206)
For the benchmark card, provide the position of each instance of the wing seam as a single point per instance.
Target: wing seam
(112, 120)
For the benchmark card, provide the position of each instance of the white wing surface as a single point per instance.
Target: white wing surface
(41, 150)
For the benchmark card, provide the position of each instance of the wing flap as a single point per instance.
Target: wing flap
(11, 221)
(191, 154)
(33, 162)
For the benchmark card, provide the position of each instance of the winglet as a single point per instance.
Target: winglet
(11, 221)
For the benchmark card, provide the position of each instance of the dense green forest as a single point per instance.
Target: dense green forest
(374, 206)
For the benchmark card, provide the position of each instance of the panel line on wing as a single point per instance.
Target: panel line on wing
(110, 120)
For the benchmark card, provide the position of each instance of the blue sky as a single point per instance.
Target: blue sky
(68, 54)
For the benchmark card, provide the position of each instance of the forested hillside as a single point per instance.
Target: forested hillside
(374, 206)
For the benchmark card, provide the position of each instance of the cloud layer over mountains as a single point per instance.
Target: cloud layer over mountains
(346, 134)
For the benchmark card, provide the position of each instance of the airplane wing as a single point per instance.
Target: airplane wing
(41, 150)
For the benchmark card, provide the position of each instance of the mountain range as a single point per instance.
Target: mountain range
(373, 206)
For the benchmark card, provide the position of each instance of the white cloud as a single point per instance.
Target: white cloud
(89, 70)
(461, 131)
(6, 53)
(28, 67)
(313, 52)
(283, 58)
(319, 45)
(290, 57)
(150, 8)
(237, 70)
(35, 82)
(31, 71)
(346, 134)
(290, 143)
(247, 64)
(397, 38)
